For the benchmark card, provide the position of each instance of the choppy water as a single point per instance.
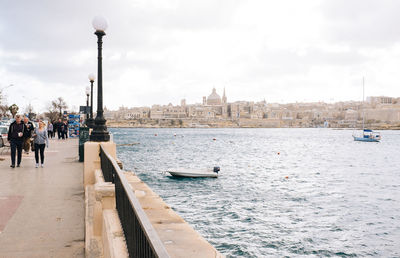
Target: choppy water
(341, 198)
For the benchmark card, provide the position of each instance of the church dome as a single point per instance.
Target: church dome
(214, 98)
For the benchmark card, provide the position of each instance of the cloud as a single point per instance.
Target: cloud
(160, 51)
(362, 23)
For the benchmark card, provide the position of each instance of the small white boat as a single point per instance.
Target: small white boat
(187, 172)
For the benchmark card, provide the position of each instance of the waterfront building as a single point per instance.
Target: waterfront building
(216, 109)
(168, 112)
(124, 113)
(380, 100)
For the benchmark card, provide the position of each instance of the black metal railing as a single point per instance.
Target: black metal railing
(141, 238)
(107, 166)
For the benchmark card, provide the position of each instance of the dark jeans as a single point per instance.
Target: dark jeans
(65, 135)
(50, 134)
(59, 133)
(16, 146)
(39, 147)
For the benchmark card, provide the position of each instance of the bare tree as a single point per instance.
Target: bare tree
(3, 110)
(1, 96)
(52, 113)
(59, 104)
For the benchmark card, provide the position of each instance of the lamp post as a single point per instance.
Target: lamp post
(87, 104)
(90, 120)
(100, 133)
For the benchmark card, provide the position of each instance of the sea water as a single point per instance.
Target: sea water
(280, 192)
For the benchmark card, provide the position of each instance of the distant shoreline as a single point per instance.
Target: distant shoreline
(246, 123)
(332, 128)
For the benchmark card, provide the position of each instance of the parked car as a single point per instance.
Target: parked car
(3, 135)
(6, 123)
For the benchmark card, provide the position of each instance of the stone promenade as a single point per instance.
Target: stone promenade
(42, 209)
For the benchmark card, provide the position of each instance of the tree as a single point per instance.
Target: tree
(52, 113)
(13, 109)
(1, 96)
(3, 106)
(3, 110)
(59, 104)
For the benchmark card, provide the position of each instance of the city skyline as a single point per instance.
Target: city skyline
(224, 92)
(159, 52)
(217, 111)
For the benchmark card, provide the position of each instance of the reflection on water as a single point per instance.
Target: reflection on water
(281, 192)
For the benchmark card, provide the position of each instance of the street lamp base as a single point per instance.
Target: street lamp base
(100, 133)
(100, 136)
(90, 123)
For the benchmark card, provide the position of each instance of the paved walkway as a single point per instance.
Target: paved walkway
(42, 209)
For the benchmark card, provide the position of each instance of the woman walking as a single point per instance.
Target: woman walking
(41, 141)
(49, 130)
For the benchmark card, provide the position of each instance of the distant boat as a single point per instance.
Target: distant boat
(187, 172)
(367, 134)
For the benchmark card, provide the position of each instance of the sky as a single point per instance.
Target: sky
(162, 51)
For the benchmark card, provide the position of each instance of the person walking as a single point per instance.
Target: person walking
(28, 134)
(50, 130)
(59, 128)
(41, 141)
(65, 130)
(16, 133)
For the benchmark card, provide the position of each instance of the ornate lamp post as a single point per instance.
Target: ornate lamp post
(87, 91)
(99, 133)
(90, 120)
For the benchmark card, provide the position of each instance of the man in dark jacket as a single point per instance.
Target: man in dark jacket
(58, 126)
(16, 138)
(29, 127)
(65, 130)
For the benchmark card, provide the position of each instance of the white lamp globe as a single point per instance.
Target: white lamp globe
(87, 91)
(99, 23)
(92, 77)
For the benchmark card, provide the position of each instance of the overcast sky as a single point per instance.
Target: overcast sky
(161, 51)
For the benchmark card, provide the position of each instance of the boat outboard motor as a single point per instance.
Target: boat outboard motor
(216, 169)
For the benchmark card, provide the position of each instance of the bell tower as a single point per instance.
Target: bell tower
(224, 99)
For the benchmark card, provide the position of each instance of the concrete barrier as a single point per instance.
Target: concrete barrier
(92, 159)
(93, 243)
(104, 235)
(113, 236)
